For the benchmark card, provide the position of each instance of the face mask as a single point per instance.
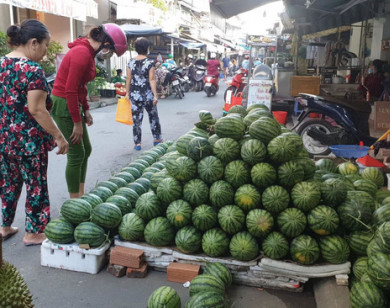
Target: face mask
(202, 58)
(370, 71)
(103, 55)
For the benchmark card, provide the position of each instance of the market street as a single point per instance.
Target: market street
(112, 150)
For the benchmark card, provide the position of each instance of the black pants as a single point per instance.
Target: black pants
(137, 108)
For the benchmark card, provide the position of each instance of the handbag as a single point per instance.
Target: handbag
(123, 111)
(234, 101)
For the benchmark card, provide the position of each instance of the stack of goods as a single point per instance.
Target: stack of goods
(127, 261)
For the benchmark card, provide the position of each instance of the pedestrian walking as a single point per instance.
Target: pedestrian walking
(225, 62)
(161, 74)
(142, 91)
(70, 105)
(27, 132)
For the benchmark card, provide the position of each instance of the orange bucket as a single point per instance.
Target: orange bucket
(280, 116)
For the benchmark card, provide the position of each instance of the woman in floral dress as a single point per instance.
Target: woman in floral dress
(161, 74)
(27, 131)
(141, 88)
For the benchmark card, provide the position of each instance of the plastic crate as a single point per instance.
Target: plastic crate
(73, 258)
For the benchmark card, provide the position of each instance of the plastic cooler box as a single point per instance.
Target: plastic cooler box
(72, 257)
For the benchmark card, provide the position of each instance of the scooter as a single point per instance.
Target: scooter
(174, 79)
(200, 72)
(340, 122)
(238, 83)
(211, 85)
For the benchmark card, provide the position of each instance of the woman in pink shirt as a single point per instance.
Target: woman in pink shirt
(213, 66)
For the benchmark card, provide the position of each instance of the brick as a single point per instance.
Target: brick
(127, 257)
(137, 272)
(181, 272)
(116, 270)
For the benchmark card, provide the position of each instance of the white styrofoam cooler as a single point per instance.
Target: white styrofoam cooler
(72, 257)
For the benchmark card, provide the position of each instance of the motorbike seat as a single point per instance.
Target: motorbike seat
(357, 105)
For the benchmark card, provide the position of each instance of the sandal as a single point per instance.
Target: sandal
(11, 234)
(137, 147)
(157, 142)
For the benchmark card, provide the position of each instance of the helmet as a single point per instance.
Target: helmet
(118, 37)
(202, 55)
(213, 55)
(190, 56)
(170, 56)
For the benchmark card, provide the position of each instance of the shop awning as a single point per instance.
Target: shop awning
(230, 8)
(226, 43)
(133, 31)
(190, 45)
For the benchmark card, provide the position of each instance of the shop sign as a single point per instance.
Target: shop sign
(382, 115)
(260, 92)
(261, 40)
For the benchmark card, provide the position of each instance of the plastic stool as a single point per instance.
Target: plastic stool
(297, 111)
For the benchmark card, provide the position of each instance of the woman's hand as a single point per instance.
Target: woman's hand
(77, 133)
(88, 118)
(62, 144)
(155, 101)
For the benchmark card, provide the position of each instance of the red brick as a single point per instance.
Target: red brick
(116, 270)
(127, 257)
(181, 272)
(137, 272)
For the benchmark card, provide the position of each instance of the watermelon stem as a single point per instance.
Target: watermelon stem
(359, 221)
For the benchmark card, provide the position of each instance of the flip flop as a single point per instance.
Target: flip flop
(137, 147)
(32, 244)
(157, 142)
(11, 234)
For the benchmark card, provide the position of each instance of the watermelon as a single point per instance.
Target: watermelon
(255, 107)
(360, 267)
(141, 164)
(199, 148)
(361, 197)
(179, 213)
(169, 190)
(247, 197)
(144, 182)
(245, 139)
(210, 169)
(59, 231)
(110, 185)
(183, 142)
(226, 149)
(259, 223)
(374, 174)
(334, 249)
(215, 243)
(264, 129)
(263, 175)
(158, 165)
(118, 181)
(157, 178)
(355, 214)
(238, 109)
(205, 282)
(237, 173)
(106, 215)
(137, 187)
(290, 173)
(291, 222)
(221, 194)
(348, 168)
(188, 239)
(129, 194)
(365, 294)
(76, 210)
(196, 192)
(159, 232)
(308, 166)
(92, 199)
(133, 171)
(230, 127)
(148, 206)
(333, 192)
(121, 202)
(306, 196)
(182, 168)
(386, 201)
(125, 176)
(243, 246)
(379, 270)
(219, 270)
(366, 278)
(373, 248)
(327, 165)
(275, 246)
(231, 219)
(164, 297)
(102, 192)
(253, 151)
(381, 195)
(275, 199)
(132, 227)
(323, 220)
(304, 249)
(381, 215)
(204, 217)
(382, 237)
(284, 147)
(366, 185)
(213, 139)
(206, 117)
(252, 117)
(90, 234)
(358, 241)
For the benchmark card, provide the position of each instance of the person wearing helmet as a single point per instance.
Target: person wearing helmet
(142, 90)
(70, 106)
(226, 63)
(213, 65)
(170, 63)
(190, 60)
(245, 63)
(201, 60)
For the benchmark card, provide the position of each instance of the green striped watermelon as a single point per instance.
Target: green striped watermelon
(308, 165)
(226, 149)
(264, 129)
(118, 181)
(255, 107)
(244, 139)
(206, 300)
(129, 194)
(358, 241)
(348, 168)
(199, 148)
(327, 165)
(133, 171)
(247, 197)
(182, 169)
(361, 197)
(382, 237)
(188, 239)
(333, 192)
(183, 142)
(263, 175)
(291, 222)
(230, 127)
(243, 246)
(219, 270)
(121, 202)
(366, 185)
(381, 195)
(306, 196)
(92, 199)
(365, 294)
(144, 182)
(290, 173)
(164, 297)
(125, 176)
(137, 187)
(231, 219)
(148, 206)
(179, 213)
(159, 232)
(132, 227)
(76, 210)
(196, 192)
(381, 215)
(334, 249)
(259, 223)
(360, 267)
(206, 117)
(210, 169)
(106, 215)
(323, 220)
(90, 234)
(206, 283)
(237, 173)
(379, 270)
(204, 217)
(374, 174)
(238, 109)
(157, 178)
(275, 199)
(284, 147)
(304, 249)
(373, 248)
(169, 190)
(215, 243)
(110, 185)
(221, 194)
(355, 214)
(59, 231)
(102, 192)
(213, 139)
(253, 151)
(275, 246)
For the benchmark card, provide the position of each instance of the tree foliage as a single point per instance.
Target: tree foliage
(4, 48)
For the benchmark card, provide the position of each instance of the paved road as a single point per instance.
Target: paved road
(112, 150)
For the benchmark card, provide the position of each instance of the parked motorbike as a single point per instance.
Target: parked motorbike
(50, 81)
(175, 80)
(186, 81)
(238, 82)
(211, 85)
(200, 73)
(340, 122)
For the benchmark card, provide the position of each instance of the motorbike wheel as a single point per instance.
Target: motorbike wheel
(186, 87)
(230, 88)
(313, 146)
(178, 92)
(208, 92)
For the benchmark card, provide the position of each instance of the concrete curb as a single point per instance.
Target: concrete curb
(103, 103)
